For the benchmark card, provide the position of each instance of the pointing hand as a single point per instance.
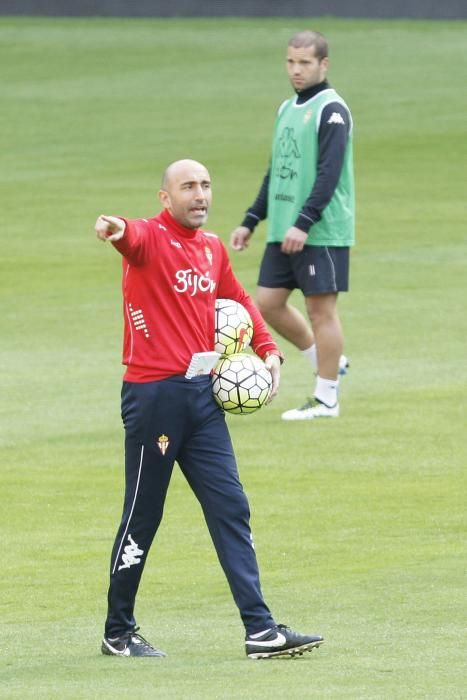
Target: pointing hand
(109, 228)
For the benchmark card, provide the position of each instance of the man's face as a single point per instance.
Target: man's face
(304, 68)
(187, 194)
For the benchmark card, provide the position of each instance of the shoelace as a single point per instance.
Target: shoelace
(291, 634)
(286, 628)
(138, 639)
(309, 403)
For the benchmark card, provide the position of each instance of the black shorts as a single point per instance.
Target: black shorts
(314, 270)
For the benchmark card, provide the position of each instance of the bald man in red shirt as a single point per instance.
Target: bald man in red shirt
(173, 272)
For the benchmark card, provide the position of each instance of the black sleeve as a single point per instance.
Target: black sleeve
(259, 210)
(333, 135)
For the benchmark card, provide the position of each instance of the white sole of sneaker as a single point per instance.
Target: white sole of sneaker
(285, 653)
(309, 417)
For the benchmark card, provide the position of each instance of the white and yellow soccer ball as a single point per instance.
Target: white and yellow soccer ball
(241, 383)
(233, 327)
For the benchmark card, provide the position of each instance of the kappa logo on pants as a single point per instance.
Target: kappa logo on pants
(132, 554)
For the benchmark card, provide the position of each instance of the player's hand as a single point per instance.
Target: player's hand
(273, 364)
(109, 228)
(240, 238)
(294, 241)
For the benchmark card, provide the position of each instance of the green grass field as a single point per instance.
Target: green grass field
(359, 523)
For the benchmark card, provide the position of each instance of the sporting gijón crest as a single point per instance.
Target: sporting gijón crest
(163, 443)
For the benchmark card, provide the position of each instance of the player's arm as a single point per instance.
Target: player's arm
(262, 341)
(333, 135)
(240, 237)
(128, 237)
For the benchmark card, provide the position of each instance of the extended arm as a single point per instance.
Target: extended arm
(128, 237)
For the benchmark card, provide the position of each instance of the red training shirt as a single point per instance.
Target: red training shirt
(172, 276)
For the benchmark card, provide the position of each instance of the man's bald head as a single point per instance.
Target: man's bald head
(186, 192)
(180, 168)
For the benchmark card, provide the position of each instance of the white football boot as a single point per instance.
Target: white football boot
(312, 408)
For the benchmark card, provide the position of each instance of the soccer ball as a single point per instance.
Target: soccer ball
(233, 327)
(241, 383)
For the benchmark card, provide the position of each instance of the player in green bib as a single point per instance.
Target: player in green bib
(308, 198)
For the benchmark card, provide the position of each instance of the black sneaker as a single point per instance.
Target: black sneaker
(279, 641)
(129, 644)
